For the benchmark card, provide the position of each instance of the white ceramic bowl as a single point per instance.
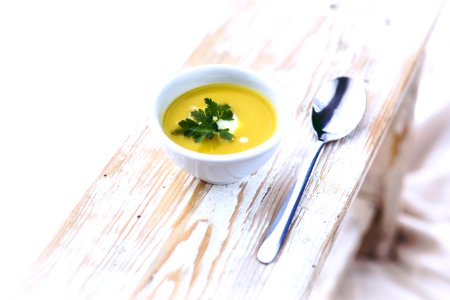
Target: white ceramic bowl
(220, 168)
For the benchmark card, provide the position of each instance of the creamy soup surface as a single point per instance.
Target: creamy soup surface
(255, 118)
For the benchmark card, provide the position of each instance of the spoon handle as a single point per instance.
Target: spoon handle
(277, 232)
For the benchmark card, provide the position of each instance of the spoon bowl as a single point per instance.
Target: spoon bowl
(338, 107)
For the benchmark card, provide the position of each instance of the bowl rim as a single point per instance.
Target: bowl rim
(280, 105)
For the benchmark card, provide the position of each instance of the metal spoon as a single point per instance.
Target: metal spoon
(337, 109)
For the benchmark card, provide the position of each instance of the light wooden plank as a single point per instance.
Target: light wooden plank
(146, 229)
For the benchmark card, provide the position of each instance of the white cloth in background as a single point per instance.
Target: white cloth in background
(421, 269)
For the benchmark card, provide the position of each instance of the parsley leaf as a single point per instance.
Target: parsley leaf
(203, 124)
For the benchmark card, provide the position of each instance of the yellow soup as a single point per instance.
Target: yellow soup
(255, 118)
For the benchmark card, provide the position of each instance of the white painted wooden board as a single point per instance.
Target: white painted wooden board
(147, 229)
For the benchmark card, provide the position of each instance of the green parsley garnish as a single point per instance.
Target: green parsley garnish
(204, 123)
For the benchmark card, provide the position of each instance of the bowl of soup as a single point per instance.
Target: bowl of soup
(220, 123)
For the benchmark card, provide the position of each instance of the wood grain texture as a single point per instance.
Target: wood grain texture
(147, 230)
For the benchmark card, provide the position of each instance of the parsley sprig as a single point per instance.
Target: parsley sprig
(204, 123)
